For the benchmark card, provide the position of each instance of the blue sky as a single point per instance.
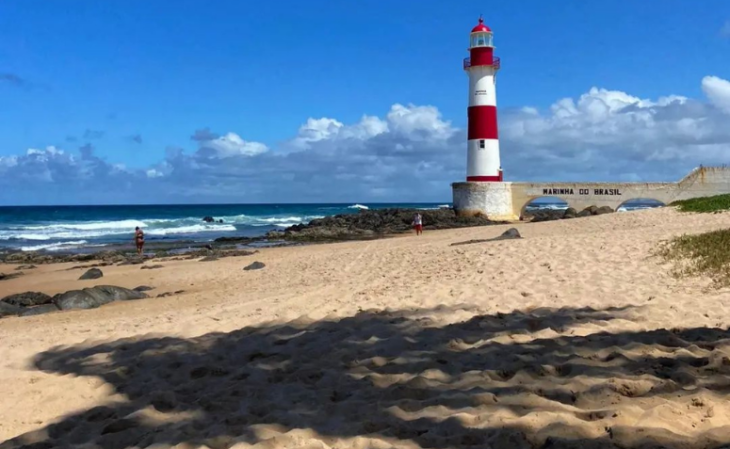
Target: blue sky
(99, 100)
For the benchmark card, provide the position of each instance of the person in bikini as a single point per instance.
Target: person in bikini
(139, 239)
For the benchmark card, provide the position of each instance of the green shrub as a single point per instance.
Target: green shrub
(707, 204)
(705, 254)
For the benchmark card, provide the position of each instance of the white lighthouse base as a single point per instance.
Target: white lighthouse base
(493, 199)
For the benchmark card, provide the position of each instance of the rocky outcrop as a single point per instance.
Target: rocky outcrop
(91, 298)
(549, 214)
(9, 309)
(93, 273)
(369, 224)
(208, 219)
(27, 299)
(34, 303)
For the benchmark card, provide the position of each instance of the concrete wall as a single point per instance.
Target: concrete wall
(507, 201)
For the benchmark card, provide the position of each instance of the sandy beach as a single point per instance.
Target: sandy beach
(574, 336)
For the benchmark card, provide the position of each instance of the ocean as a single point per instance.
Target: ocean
(80, 228)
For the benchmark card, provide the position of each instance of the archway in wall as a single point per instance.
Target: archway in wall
(544, 208)
(639, 204)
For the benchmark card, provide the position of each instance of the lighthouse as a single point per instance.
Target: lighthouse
(482, 163)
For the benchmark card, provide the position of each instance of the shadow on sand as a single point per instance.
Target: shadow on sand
(398, 379)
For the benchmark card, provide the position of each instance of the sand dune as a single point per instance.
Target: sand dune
(571, 337)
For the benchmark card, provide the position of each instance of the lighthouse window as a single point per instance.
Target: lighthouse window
(482, 144)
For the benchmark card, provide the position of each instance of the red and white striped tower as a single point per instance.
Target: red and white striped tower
(483, 163)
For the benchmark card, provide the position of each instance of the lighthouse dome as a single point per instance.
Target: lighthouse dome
(481, 28)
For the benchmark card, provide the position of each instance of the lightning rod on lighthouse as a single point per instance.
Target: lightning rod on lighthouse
(483, 164)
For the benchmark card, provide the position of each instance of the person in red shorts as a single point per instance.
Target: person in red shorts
(418, 223)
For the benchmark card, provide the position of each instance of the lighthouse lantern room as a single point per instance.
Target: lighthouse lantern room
(483, 164)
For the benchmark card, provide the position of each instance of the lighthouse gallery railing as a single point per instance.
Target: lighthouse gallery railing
(495, 62)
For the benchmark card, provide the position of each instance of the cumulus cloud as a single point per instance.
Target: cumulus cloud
(607, 134)
(230, 145)
(717, 91)
(411, 153)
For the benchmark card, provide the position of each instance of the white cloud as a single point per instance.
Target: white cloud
(232, 144)
(717, 91)
(410, 153)
(607, 134)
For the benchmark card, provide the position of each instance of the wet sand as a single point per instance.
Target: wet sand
(573, 333)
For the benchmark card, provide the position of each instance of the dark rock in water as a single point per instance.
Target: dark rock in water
(39, 310)
(143, 288)
(27, 299)
(220, 221)
(7, 277)
(93, 273)
(152, 267)
(233, 239)
(369, 224)
(91, 298)
(25, 267)
(208, 219)
(570, 213)
(9, 309)
(603, 210)
(255, 266)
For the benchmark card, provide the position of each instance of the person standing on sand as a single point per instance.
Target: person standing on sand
(418, 223)
(139, 239)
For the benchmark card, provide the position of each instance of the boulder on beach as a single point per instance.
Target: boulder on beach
(255, 266)
(27, 299)
(570, 213)
(25, 267)
(511, 233)
(39, 310)
(93, 273)
(603, 210)
(143, 288)
(9, 309)
(7, 277)
(151, 267)
(91, 298)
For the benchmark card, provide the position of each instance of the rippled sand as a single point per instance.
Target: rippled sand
(573, 335)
